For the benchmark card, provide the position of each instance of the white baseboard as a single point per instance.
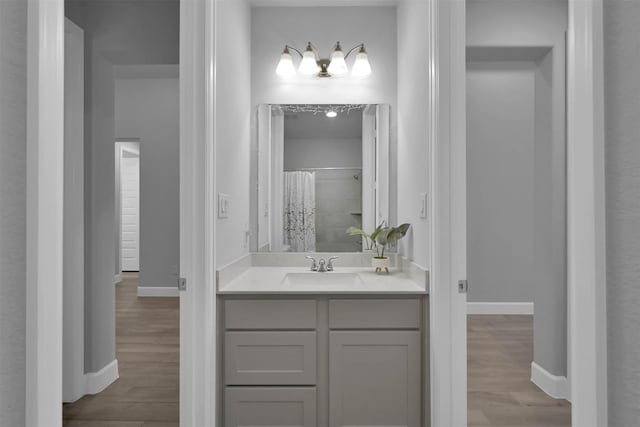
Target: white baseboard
(158, 291)
(553, 385)
(95, 382)
(117, 278)
(499, 308)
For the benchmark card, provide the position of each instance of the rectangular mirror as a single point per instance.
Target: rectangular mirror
(320, 170)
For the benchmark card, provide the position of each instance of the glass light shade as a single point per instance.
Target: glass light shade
(308, 65)
(361, 67)
(285, 66)
(337, 66)
(331, 114)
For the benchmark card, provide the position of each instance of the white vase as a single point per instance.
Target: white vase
(381, 264)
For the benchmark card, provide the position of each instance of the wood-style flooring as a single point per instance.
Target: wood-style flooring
(148, 353)
(500, 392)
(500, 351)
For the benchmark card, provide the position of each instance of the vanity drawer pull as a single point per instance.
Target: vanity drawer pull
(270, 314)
(374, 314)
(270, 358)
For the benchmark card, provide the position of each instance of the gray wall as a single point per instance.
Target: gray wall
(273, 27)
(116, 33)
(622, 122)
(500, 180)
(550, 248)
(13, 189)
(233, 127)
(148, 109)
(413, 148)
(322, 153)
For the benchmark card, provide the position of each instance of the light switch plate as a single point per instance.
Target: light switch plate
(223, 205)
(423, 205)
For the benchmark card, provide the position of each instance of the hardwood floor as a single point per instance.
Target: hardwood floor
(148, 353)
(500, 393)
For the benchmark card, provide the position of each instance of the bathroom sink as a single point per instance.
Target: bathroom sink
(318, 279)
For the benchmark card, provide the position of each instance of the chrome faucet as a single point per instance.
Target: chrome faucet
(321, 266)
(314, 265)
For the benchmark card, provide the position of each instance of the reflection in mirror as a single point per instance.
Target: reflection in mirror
(317, 171)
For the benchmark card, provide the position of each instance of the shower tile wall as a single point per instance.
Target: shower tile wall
(338, 207)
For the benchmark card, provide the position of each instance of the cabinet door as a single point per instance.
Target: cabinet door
(270, 406)
(374, 378)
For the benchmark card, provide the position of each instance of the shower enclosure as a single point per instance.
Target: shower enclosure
(337, 205)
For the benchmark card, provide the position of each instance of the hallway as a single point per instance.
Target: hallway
(148, 353)
(499, 390)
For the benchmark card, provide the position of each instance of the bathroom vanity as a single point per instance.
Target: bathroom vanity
(342, 348)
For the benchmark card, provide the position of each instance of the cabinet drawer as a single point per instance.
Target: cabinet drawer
(270, 314)
(270, 358)
(272, 406)
(374, 314)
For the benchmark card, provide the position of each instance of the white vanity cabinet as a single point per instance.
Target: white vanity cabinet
(324, 361)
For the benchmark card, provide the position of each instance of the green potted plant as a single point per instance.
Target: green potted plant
(378, 241)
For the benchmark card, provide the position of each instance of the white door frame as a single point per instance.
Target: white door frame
(447, 148)
(197, 221)
(586, 243)
(45, 184)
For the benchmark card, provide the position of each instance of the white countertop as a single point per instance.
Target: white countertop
(271, 280)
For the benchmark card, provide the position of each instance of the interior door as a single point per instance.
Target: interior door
(130, 211)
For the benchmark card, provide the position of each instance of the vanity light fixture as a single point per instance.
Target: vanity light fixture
(311, 63)
(331, 114)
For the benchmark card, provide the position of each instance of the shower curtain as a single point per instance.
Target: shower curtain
(300, 211)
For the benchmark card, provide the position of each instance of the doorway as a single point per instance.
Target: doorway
(516, 214)
(130, 354)
(128, 206)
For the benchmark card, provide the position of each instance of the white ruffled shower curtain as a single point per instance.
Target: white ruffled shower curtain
(299, 212)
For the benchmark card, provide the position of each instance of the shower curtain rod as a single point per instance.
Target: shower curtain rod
(322, 169)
